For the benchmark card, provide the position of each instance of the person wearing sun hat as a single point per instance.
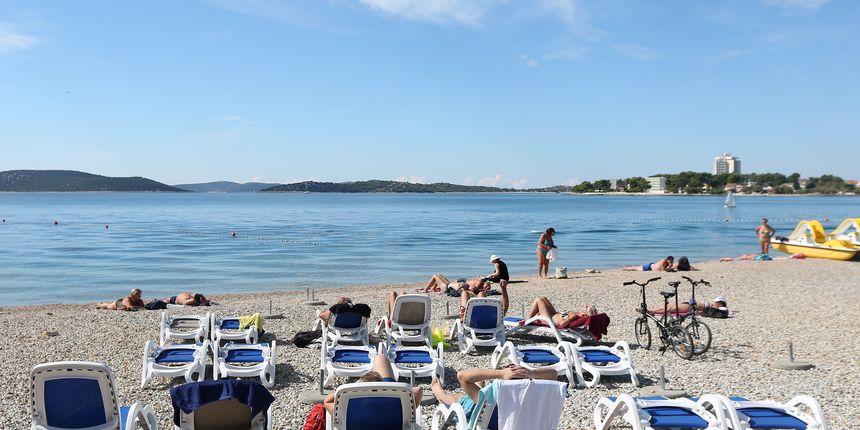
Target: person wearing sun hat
(501, 276)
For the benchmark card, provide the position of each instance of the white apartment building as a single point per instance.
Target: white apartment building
(658, 184)
(727, 163)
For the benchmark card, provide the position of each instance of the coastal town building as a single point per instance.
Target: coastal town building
(658, 184)
(726, 163)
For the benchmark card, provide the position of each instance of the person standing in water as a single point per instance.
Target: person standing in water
(545, 243)
(764, 232)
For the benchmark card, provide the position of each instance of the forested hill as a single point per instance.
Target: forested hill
(377, 186)
(70, 180)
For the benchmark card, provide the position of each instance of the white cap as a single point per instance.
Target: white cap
(493, 258)
(720, 299)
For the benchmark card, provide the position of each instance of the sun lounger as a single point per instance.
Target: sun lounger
(483, 325)
(485, 416)
(374, 405)
(183, 327)
(422, 360)
(174, 360)
(222, 405)
(595, 362)
(410, 320)
(351, 361)
(228, 328)
(542, 325)
(557, 357)
(242, 360)
(81, 395)
(656, 413)
(344, 327)
(749, 415)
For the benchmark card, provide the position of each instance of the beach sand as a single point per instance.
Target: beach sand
(812, 303)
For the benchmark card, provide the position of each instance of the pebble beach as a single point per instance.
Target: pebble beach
(812, 303)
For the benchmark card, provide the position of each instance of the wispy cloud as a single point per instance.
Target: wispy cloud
(573, 181)
(498, 180)
(528, 61)
(14, 41)
(637, 52)
(463, 12)
(774, 37)
(574, 15)
(796, 5)
(727, 55)
(277, 10)
(413, 179)
(572, 54)
(229, 118)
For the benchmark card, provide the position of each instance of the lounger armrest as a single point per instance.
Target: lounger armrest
(140, 416)
(622, 348)
(718, 408)
(607, 410)
(381, 323)
(569, 351)
(548, 323)
(443, 413)
(812, 404)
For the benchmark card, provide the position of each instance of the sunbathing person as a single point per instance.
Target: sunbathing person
(472, 380)
(664, 265)
(132, 302)
(683, 265)
(345, 305)
(719, 303)
(188, 299)
(439, 283)
(542, 306)
(381, 373)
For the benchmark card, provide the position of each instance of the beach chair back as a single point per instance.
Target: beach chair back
(483, 314)
(348, 321)
(227, 414)
(74, 395)
(488, 412)
(221, 405)
(374, 406)
(412, 310)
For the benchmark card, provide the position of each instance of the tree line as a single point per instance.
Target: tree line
(708, 183)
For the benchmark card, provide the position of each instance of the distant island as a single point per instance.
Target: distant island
(70, 180)
(378, 186)
(226, 187)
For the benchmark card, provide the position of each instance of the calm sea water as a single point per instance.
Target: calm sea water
(166, 243)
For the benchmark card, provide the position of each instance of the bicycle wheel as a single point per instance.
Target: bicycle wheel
(643, 332)
(682, 343)
(701, 335)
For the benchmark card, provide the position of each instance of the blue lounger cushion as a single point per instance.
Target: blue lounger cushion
(351, 356)
(668, 417)
(599, 356)
(769, 418)
(74, 403)
(539, 356)
(413, 357)
(514, 319)
(365, 413)
(175, 355)
(348, 320)
(123, 415)
(244, 356)
(230, 324)
(484, 317)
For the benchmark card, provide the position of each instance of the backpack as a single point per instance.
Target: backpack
(305, 338)
(316, 418)
(155, 305)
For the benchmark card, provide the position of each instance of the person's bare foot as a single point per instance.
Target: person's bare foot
(436, 385)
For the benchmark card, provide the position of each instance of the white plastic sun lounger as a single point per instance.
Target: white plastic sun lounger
(183, 327)
(483, 325)
(749, 415)
(660, 413)
(227, 328)
(81, 395)
(410, 320)
(590, 363)
(344, 327)
(542, 325)
(241, 360)
(350, 361)
(422, 360)
(374, 405)
(174, 360)
(557, 357)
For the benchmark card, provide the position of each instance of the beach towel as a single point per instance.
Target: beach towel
(316, 419)
(190, 397)
(246, 321)
(529, 404)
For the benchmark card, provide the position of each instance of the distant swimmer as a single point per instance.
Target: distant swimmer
(56, 222)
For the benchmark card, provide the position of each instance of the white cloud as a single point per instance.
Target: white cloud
(774, 37)
(573, 15)
(498, 181)
(727, 55)
(637, 52)
(572, 54)
(256, 179)
(572, 181)
(13, 41)
(464, 12)
(413, 179)
(807, 5)
(529, 61)
(229, 118)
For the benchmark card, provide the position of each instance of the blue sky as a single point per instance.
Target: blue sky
(498, 92)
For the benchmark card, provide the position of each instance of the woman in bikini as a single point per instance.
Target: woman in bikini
(542, 306)
(131, 303)
(545, 243)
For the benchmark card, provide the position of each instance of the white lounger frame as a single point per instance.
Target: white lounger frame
(343, 394)
(265, 370)
(397, 332)
(331, 369)
(632, 412)
(248, 335)
(196, 367)
(814, 419)
(468, 337)
(335, 334)
(563, 351)
(435, 369)
(140, 416)
(198, 335)
(549, 329)
(623, 368)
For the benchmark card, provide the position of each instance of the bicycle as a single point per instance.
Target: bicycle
(671, 332)
(699, 331)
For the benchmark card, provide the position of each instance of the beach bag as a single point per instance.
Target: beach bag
(305, 338)
(561, 272)
(155, 305)
(552, 255)
(438, 337)
(316, 419)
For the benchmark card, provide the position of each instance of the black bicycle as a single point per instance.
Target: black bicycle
(699, 331)
(672, 333)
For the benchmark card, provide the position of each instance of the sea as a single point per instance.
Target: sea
(87, 247)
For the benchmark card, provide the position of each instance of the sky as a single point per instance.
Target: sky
(515, 93)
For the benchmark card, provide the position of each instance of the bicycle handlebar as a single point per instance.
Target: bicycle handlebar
(642, 285)
(688, 279)
(696, 283)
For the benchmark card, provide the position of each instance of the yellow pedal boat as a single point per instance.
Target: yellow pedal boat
(809, 238)
(849, 231)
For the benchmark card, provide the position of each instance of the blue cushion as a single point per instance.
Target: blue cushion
(374, 413)
(244, 356)
(484, 317)
(348, 320)
(599, 356)
(123, 415)
(514, 319)
(539, 356)
(351, 356)
(74, 403)
(669, 417)
(175, 355)
(231, 324)
(769, 418)
(413, 357)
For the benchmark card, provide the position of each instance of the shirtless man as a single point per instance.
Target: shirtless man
(663, 265)
(188, 299)
(131, 303)
(764, 232)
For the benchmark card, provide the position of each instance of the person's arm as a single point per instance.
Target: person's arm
(469, 378)
(328, 404)
(498, 272)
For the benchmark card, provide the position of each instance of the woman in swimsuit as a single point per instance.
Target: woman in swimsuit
(664, 265)
(131, 303)
(545, 243)
(718, 303)
(542, 306)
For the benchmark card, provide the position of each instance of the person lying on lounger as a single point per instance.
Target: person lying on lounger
(714, 306)
(132, 302)
(664, 265)
(439, 283)
(382, 372)
(542, 306)
(472, 380)
(188, 299)
(344, 305)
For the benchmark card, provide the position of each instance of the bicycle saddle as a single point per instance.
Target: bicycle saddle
(674, 284)
(667, 294)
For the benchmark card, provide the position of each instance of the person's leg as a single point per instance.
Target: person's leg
(392, 297)
(382, 366)
(503, 285)
(633, 268)
(443, 396)
(540, 258)
(542, 306)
